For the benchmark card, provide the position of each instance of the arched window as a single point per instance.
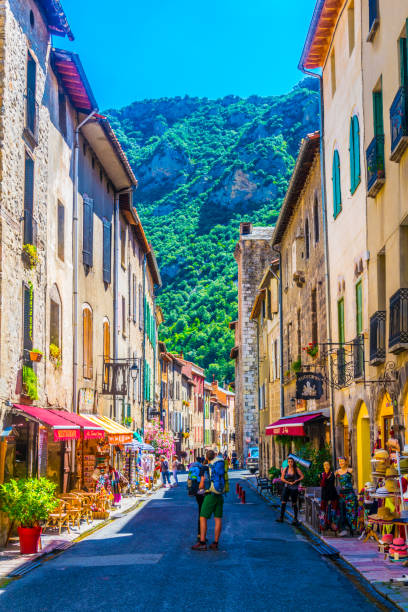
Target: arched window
(307, 239)
(55, 317)
(336, 184)
(316, 220)
(355, 174)
(87, 341)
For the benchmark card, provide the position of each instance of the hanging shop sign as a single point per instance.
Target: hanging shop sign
(309, 385)
(120, 438)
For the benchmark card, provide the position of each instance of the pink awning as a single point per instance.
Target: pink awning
(291, 426)
(91, 431)
(63, 429)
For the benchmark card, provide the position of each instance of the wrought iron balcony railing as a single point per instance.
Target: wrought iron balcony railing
(398, 339)
(375, 166)
(377, 338)
(32, 116)
(358, 357)
(399, 125)
(373, 19)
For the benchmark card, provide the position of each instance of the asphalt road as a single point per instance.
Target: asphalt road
(143, 562)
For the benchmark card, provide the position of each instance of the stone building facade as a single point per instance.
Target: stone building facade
(253, 253)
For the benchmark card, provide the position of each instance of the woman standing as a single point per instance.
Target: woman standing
(348, 498)
(174, 467)
(291, 476)
(329, 505)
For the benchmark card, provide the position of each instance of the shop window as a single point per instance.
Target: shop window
(336, 184)
(87, 342)
(55, 317)
(61, 230)
(354, 145)
(87, 238)
(316, 220)
(107, 250)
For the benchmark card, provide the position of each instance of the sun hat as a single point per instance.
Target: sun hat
(398, 542)
(391, 485)
(391, 472)
(387, 538)
(381, 453)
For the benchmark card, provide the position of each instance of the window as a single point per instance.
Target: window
(351, 32)
(299, 334)
(314, 316)
(336, 184)
(123, 246)
(106, 347)
(87, 342)
(288, 355)
(140, 306)
(359, 308)
(28, 310)
(381, 281)
(134, 291)
(62, 113)
(316, 220)
(123, 315)
(355, 174)
(107, 249)
(269, 298)
(147, 385)
(55, 316)
(378, 113)
(276, 359)
(31, 106)
(307, 239)
(28, 200)
(87, 240)
(373, 18)
(333, 72)
(61, 230)
(340, 318)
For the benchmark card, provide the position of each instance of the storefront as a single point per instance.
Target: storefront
(385, 420)
(363, 446)
(310, 426)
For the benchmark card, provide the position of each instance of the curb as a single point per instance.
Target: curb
(349, 567)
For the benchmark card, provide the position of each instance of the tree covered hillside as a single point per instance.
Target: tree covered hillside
(203, 167)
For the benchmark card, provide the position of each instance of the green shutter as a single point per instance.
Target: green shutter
(336, 184)
(403, 61)
(355, 173)
(340, 314)
(359, 308)
(352, 163)
(378, 113)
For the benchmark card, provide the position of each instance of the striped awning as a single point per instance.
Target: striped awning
(117, 434)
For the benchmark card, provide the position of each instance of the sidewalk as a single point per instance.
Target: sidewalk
(13, 564)
(362, 557)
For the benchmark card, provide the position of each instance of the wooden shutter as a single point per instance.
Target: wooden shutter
(140, 307)
(378, 113)
(55, 323)
(107, 249)
(61, 230)
(340, 313)
(27, 320)
(106, 348)
(87, 240)
(28, 199)
(88, 348)
(356, 148)
(134, 291)
(359, 308)
(352, 163)
(336, 184)
(403, 62)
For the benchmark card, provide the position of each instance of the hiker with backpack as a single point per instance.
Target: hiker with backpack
(213, 499)
(197, 471)
(165, 470)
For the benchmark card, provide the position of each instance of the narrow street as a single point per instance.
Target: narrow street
(143, 561)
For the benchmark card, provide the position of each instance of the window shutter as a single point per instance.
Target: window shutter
(378, 113)
(140, 307)
(134, 291)
(403, 62)
(107, 249)
(359, 308)
(87, 241)
(27, 321)
(88, 352)
(352, 154)
(28, 200)
(336, 184)
(356, 148)
(340, 312)
(61, 230)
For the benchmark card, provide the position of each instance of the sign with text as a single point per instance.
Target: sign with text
(309, 385)
(66, 434)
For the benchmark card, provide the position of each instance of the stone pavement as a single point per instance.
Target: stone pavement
(11, 560)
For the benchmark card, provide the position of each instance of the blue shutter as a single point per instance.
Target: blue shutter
(352, 164)
(28, 200)
(356, 148)
(107, 249)
(87, 239)
(336, 184)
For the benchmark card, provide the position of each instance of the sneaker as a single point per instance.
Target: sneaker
(199, 546)
(214, 546)
(279, 520)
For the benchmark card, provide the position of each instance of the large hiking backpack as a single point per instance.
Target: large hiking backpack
(193, 478)
(218, 477)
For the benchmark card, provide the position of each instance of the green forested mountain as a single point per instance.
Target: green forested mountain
(203, 167)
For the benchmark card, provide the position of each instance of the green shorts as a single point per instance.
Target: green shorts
(212, 504)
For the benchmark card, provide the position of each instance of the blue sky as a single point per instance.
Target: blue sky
(137, 49)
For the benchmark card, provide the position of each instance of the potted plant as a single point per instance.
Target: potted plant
(27, 502)
(36, 355)
(312, 349)
(297, 365)
(55, 355)
(30, 255)
(30, 383)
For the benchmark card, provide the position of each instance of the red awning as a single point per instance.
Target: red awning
(91, 431)
(291, 426)
(63, 429)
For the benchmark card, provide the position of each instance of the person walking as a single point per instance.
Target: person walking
(290, 477)
(165, 470)
(175, 470)
(195, 485)
(213, 501)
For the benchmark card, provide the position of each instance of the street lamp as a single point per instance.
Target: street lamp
(134, 371)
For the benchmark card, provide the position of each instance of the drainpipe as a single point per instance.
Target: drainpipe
(279, 279)
(75, 258)
(326, 250)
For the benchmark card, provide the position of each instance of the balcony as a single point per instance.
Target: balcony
(375, 166)
(398, 340)
(358, 357)
(31, 119)
(377, 338)
(399, 125)
(373, 19)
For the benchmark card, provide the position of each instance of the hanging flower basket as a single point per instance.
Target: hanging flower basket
(36, 355)
(30, 255)
(312, 350)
